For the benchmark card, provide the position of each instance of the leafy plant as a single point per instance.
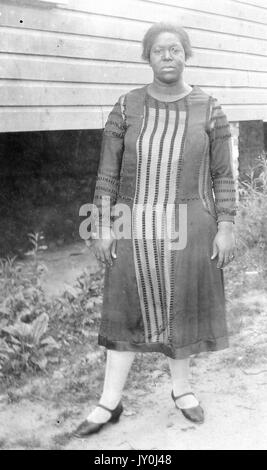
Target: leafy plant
(85, 297)
(27, 345)
(23, 314)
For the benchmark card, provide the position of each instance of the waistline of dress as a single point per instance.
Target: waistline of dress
(179, 200)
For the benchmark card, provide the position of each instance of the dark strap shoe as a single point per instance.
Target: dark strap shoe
(89, 427)
(194, 414)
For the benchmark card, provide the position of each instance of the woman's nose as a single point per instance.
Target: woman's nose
(166, 55)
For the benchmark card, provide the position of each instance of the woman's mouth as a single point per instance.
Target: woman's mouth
(168, 67)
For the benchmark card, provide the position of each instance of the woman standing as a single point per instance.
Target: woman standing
(164, 145)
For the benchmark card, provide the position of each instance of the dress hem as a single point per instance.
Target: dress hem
(208, 345)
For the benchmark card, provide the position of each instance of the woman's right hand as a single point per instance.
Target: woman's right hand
(105, 248)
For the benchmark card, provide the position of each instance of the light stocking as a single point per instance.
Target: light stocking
(118, 365)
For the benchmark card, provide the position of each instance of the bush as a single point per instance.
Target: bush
(252, 215)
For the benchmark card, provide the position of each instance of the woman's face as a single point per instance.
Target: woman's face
(167, 58)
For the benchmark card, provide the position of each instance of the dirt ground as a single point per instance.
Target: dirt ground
(232, 391)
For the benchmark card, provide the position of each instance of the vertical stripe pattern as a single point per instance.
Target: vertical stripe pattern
(159, 157)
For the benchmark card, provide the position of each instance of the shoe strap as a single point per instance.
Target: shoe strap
(106, 408)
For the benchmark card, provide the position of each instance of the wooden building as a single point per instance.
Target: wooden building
(64, 63)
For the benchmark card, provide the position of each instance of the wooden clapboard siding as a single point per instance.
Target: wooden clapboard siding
(151, 12)
(64, 67)
(225, 8)
(49, 118)
(257, 3)
(88, 117)
(29, 93)
(26, 67)
(51, 44)
(119, 28)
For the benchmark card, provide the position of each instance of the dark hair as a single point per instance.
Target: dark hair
(164, 27)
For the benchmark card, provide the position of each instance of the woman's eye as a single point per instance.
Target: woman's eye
(175, 50)
(157, 51)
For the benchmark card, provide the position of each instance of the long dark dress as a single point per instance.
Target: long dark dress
(177, 155)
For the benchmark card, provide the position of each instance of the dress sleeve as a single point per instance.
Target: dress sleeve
(221, 163)
(108, 175)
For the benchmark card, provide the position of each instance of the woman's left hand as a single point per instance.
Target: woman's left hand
(224, 244)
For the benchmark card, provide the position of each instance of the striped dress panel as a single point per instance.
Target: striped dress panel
(159, 152)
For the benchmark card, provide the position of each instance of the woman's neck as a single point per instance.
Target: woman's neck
(158, 88)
